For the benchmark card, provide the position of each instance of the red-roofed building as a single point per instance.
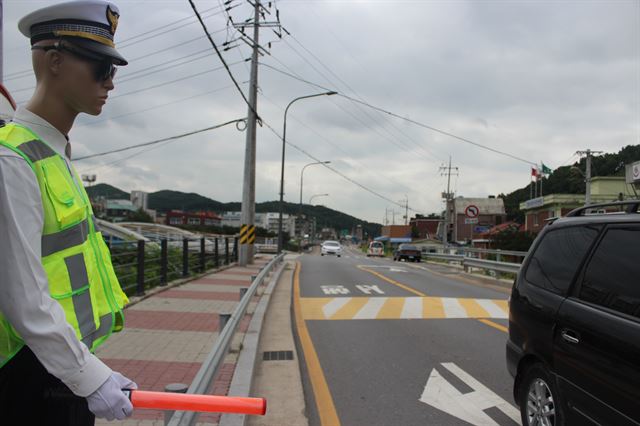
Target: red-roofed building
(178, 217)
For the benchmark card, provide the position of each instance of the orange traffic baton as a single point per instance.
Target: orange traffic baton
(190, 402)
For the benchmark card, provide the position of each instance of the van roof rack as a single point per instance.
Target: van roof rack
(632, 207)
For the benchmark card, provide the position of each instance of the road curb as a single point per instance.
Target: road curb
(242, 380)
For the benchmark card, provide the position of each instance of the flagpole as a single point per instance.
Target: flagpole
(541, 177)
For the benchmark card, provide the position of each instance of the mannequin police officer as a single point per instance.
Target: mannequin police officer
(59, 296)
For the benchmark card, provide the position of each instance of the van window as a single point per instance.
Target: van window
(558, 256)
(612, 276)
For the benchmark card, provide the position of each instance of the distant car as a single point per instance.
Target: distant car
(376, 248)
(331, 247)
(407, 252)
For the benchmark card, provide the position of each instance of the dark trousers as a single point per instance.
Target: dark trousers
(29, 395)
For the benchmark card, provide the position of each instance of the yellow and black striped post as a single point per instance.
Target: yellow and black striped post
(247, 234)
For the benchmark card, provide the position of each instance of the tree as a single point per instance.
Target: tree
(140, 216)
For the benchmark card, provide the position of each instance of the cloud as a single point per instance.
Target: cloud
(539, 80)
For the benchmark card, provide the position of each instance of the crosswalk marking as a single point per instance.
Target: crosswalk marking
(492, 308)
(412, 308)
(371, 309)
(334, 306)
(453, 308)
(346, 308)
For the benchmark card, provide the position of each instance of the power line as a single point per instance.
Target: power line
(170, 138)
(215, 47)
(420, 146)
(94, 122)
(417, 123)
(28, 72)
(355, 117)
(353, 181)
(321, 136)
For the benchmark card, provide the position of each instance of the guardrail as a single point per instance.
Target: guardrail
(468, 260)
(207, 373)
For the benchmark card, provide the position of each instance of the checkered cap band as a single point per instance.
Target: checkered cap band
(46, 28)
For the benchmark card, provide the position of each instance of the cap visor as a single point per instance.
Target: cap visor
(100, 49)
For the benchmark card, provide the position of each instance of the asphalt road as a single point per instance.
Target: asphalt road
(388, 343)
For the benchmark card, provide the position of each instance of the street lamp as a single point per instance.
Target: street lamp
(284, 142)
(317, 195)
(302, 175)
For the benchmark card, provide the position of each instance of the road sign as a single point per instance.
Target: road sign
(472, 211)
(480, 229)
(470, 406)
(468, 221)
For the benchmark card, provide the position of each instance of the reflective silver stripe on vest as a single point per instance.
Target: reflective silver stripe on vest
(36, 150)
(71, 237)
(106, 321)
(81, 301)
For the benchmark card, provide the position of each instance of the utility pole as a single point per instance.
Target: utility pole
(247, 217)
(589, 155)
(446, 170)
(406, 209)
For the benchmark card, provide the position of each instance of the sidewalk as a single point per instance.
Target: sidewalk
(168, 335)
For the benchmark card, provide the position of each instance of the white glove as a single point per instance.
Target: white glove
(109, 402)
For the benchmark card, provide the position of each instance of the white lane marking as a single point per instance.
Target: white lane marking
(334, 289)
(334, 306)
(439, 393)
(368, 289)
(492, 308)
(371, 308)
(397, 270)
(453, 308)
(412, 308)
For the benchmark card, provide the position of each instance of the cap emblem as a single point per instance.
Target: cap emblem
(112, 17)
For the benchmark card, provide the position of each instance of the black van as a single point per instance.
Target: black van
(574, 321)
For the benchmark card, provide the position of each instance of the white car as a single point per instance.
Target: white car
(331, 247)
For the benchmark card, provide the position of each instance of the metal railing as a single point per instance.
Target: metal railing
(141, 265)
(209, 369)
(476, 258)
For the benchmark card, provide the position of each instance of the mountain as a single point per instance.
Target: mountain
(166, 200)
(107, 191)
(569, 180)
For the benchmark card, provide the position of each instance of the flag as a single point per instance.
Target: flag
(534, 172)
(545, 170)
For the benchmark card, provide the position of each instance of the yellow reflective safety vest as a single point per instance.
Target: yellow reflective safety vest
(75, 257)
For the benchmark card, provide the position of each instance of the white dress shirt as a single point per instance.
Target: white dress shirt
(24, 290)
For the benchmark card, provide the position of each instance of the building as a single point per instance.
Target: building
(231, 219)
(395, 234)
(140, 200)
(118, 210)
(469, 217)
(603, 190)
(179, 217)
(426, 228)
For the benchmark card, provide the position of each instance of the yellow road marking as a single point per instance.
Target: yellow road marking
(494, 325)
(432, 308)
(349, 310)
(394, 282)
(391, 309)
(473, 309)
(324, 401)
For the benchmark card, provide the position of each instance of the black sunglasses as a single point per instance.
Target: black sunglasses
(102, 69)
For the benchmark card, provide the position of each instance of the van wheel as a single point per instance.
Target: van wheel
(539, 399)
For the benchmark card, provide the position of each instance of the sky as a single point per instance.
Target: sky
(537, 80)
